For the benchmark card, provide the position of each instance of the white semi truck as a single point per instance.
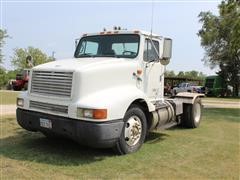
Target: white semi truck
(110, 94)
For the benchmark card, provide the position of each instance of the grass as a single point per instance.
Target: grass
(8, 97)
(211, 151)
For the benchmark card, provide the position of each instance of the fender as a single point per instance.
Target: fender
(188, 98)
(116, 100)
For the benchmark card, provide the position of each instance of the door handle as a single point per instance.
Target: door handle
(135, 75)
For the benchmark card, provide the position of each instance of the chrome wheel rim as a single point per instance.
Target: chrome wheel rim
(197, 112)
(133, 130)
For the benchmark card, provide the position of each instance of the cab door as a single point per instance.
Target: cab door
(153, 79)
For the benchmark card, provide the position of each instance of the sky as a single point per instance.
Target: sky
(54, 25)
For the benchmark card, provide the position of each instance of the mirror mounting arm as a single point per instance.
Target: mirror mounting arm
(155, 49)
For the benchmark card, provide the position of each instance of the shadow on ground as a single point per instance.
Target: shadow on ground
(27, 146)
(155, 137)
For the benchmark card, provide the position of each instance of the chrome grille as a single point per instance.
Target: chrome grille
(52, 83)
(48, 107)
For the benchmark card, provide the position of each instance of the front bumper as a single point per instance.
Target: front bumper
(94, 134)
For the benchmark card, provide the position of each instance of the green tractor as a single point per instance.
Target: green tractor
(215, 86)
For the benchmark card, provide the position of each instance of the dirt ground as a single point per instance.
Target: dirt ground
(208, 103)
(7, 109)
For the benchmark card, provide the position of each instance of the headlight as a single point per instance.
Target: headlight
(92, 113)
(20, 102)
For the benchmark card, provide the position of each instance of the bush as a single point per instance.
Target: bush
(3, 77)
(6, 76)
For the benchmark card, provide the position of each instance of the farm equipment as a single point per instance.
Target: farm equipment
(215, 86)
(21, 81)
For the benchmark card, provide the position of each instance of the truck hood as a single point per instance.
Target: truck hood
(92, 75)
(80, 64)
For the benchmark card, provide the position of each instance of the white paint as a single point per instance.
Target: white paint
(106, 83)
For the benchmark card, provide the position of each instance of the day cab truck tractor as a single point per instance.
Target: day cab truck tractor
(109, 95)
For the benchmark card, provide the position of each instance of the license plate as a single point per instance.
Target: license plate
(46, 123)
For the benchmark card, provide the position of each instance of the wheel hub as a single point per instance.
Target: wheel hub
(133, 130)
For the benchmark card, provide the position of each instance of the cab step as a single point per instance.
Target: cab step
(167, 126)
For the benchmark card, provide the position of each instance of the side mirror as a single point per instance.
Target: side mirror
(167, 51)
(29, 61)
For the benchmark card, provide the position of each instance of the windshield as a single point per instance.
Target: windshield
(117, 45)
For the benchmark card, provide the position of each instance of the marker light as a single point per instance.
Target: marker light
(20, 102)
(139, 72)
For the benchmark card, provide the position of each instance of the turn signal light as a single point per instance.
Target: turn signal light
(92, 113)
(99, 113)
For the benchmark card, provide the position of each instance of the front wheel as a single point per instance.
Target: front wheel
(192, 114)
(133, 132)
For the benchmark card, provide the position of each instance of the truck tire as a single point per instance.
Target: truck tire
(16, 88)
(192, 114)
(133, 132)
(25, 86)
(174, 93)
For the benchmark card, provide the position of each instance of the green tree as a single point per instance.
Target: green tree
(187, 74)
(20, 54)
(11, 74)
(170, 74)
(3, 78)
(220, 38)
(193, 74)
(3, 35)
(181, 74)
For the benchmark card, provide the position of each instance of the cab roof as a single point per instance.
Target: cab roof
(124, 32)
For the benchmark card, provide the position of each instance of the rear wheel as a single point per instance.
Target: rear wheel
(192, 114)
(133, 132)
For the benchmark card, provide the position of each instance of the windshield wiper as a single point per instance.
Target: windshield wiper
(86, 55)
(109, 55)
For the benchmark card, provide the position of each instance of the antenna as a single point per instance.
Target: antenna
(155, 49)
(152, 19)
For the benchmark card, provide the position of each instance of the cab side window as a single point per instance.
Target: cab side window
(150, 53)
